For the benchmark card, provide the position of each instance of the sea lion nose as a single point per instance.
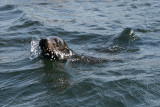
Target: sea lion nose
(42, 42)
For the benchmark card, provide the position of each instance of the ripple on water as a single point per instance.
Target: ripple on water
(23, 24)
(4, 8)
(9, 13)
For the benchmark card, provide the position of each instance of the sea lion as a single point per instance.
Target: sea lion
(56, 48)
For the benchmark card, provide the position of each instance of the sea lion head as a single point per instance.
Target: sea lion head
(54, 48)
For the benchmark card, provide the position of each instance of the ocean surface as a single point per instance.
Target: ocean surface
(125, 32)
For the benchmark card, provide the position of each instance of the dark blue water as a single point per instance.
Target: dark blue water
(124, 30)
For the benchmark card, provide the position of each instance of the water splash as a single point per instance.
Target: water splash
(35, 51)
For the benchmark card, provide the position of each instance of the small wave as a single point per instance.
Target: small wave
(142, 30)
(23, 23)
(10, 16)
(6, 8)
(84, 37)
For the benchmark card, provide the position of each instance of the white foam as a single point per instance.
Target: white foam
(35, 51)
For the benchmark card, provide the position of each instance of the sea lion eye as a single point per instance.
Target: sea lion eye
(57, 42)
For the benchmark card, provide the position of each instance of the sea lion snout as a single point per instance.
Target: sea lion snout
(43, 43)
